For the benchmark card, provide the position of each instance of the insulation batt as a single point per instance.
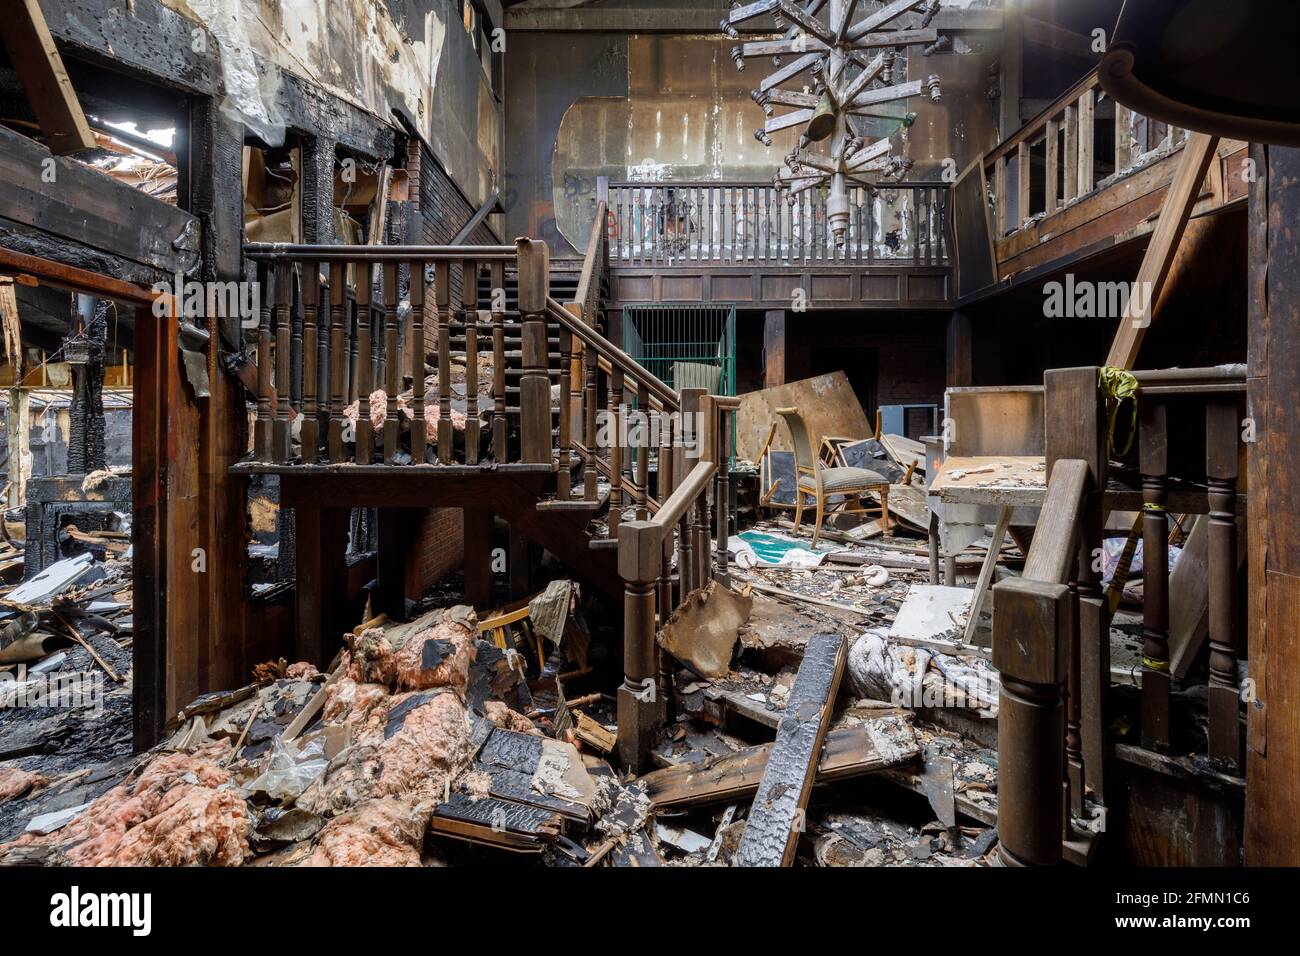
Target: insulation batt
(347, 699)
(507, 719)
(386, 832)
(431, 747)
(372, 658)
(15, 782)
(181, 809)
(456, 628)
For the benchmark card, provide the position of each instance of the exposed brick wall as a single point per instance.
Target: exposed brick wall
(438, 548)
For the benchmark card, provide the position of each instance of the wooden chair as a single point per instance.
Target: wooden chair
(821, 483)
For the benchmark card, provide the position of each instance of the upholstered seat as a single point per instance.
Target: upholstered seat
(843, 479)
(843, 489)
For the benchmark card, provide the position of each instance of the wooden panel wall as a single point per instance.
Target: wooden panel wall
(1273, 730)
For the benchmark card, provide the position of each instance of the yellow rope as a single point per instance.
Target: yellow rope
(1118, 386)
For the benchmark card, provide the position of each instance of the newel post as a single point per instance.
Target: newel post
(535, 383)
(1032, 625)
(639, 560)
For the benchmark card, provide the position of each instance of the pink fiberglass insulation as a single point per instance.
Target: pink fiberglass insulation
(385, 832)
(180, 809)
(507, 719)
(439, 656)
(15, 782)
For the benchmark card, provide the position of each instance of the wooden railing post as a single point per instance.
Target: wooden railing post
(589, 477)
(722, 494)
(639, 561)
(420, 301)
(1075, 418)
(1221, 435)
(500, 436)
(338, 360)
(364, 431)
(309, 436)
(564, 477)
(469, 302)
(283, 353)
(535, 384)
(616, 420)
(1153, 447)
(1031, 634)
(442, 295)
(392, 365)
(262, 427)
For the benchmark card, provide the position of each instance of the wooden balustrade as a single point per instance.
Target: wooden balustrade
(742, 224)
(645, 556)
(1063, 138)
(1051, 625)
(340, 324)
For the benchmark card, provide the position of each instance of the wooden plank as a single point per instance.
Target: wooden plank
(44, 79)
(848, 752)
(776, 818)
(83, 205)
(986, 575)
(1182, 196)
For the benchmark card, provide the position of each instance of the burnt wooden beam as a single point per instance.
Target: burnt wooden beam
(848, 752)
(75, 205)
(776, 818)
(44, 79)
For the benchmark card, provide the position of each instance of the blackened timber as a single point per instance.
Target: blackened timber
(83, 206)
(848, 752)
(775, 820)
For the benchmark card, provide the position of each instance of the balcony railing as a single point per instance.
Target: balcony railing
(711, 223)
(1074, 158)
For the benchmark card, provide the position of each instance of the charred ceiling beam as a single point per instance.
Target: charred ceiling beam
(63, 210)
(669, 19)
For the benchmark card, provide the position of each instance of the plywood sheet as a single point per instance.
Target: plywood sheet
(827, 403)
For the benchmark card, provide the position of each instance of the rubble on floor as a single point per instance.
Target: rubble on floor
(445, 740)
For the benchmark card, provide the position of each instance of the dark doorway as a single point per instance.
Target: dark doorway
(859, 364)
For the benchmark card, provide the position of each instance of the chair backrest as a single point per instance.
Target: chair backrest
(803, 453)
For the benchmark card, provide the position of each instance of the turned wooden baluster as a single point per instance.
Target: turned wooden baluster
(589, 397)
(1221, 424)
(364, 375)
(283, 408)
(420, 301)
(1070, 162)
(263, 426)
(309, 437)
(1154, 461)
(337, 357)
(722, 494)
(469, 292)
(535, 383)
(1073, 782)
(500, 428)
(564, 477)
(442, 296)
(392, 364)
(644, 432)
(663, 489)
(615, 398)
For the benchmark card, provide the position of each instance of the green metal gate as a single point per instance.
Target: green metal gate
(684, 345)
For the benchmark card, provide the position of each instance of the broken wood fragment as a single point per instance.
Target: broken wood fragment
(776, 818)
(848, 752)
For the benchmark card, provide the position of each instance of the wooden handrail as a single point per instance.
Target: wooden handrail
(614, 355)
(489, 206)
(1052, 554)
(592, 262)
(1036, 125)
(275, 251)
(692, 486)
